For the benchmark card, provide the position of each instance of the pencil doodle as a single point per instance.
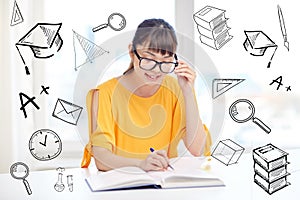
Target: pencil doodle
(212, 27)
(45, 89)
(270, 168)
(16, 17)
(257, 42)
(85, 50)
(45, 144)
(220, 86)
(278, 80)
(282, 27)
(242, 110)
(20, 171)
(228, 152)
(66, 111)
(29, 100)
(115, 21)
(43, 39)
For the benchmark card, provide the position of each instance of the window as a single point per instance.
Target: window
(276, 108)
(59, 71)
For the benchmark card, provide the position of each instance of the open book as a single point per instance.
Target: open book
(134, 177)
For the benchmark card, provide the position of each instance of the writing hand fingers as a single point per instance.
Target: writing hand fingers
(156, 161)
(162, 157)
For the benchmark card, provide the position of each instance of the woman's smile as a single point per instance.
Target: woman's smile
(152, 77)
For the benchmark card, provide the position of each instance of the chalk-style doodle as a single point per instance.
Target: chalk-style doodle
(278, 80)
(257, 42)
(45, 145)
(228, 152)
(43, 39)
(70, 182)
(220, 86)
(282, 27)
(212, 27)
(85, 50)
(67, 112)
(288, 88)
(242, 110)
(115, 21)
(45, 89)
(20, 171)
(270, 168)
(29, 100)
(16, 17)
(59, 185)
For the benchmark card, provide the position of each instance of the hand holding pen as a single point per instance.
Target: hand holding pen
(156, 161)
(152, 150)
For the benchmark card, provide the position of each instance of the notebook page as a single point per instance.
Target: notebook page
(119, 178)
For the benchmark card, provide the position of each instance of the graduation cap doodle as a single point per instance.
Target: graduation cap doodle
(257, 42)
(43, 39)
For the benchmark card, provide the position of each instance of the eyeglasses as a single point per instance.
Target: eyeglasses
(149, 64)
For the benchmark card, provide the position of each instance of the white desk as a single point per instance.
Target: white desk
(238, 179)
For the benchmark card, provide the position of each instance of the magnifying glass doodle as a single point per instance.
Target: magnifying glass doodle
(242, 110)
(115, 21)
(20, 170)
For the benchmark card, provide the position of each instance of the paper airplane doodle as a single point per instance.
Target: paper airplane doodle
(85, 51)
(257, 42)
(220, 86)
(16, 17)
(43, 39)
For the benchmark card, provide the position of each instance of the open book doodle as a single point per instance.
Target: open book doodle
(136, 178)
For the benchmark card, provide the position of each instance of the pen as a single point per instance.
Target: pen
(152, 150)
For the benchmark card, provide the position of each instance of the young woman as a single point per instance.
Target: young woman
(145, 108)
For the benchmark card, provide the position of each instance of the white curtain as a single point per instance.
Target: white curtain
(15, 130)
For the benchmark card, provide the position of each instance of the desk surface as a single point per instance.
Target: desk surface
(238, 179)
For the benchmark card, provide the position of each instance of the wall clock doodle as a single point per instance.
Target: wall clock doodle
(45, 145)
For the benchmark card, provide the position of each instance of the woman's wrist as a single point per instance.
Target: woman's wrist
(188, 91)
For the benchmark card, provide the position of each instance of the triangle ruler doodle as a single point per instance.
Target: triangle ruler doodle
(220, 86)
(16, 17)
(85, 50)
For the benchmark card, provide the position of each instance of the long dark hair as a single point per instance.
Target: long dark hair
(156, 35)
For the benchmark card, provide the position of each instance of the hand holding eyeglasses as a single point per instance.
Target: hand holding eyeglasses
(186, 75)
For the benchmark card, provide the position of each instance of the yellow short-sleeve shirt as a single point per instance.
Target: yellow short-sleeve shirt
(129, 125)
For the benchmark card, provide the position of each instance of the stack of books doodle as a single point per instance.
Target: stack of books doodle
(212, 26)
(270, 168)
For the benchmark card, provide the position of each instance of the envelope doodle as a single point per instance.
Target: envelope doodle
(67, 111)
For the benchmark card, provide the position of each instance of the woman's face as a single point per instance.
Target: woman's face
(144, 58)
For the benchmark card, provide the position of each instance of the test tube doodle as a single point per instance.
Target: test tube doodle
(70, 182)
(59, 185)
